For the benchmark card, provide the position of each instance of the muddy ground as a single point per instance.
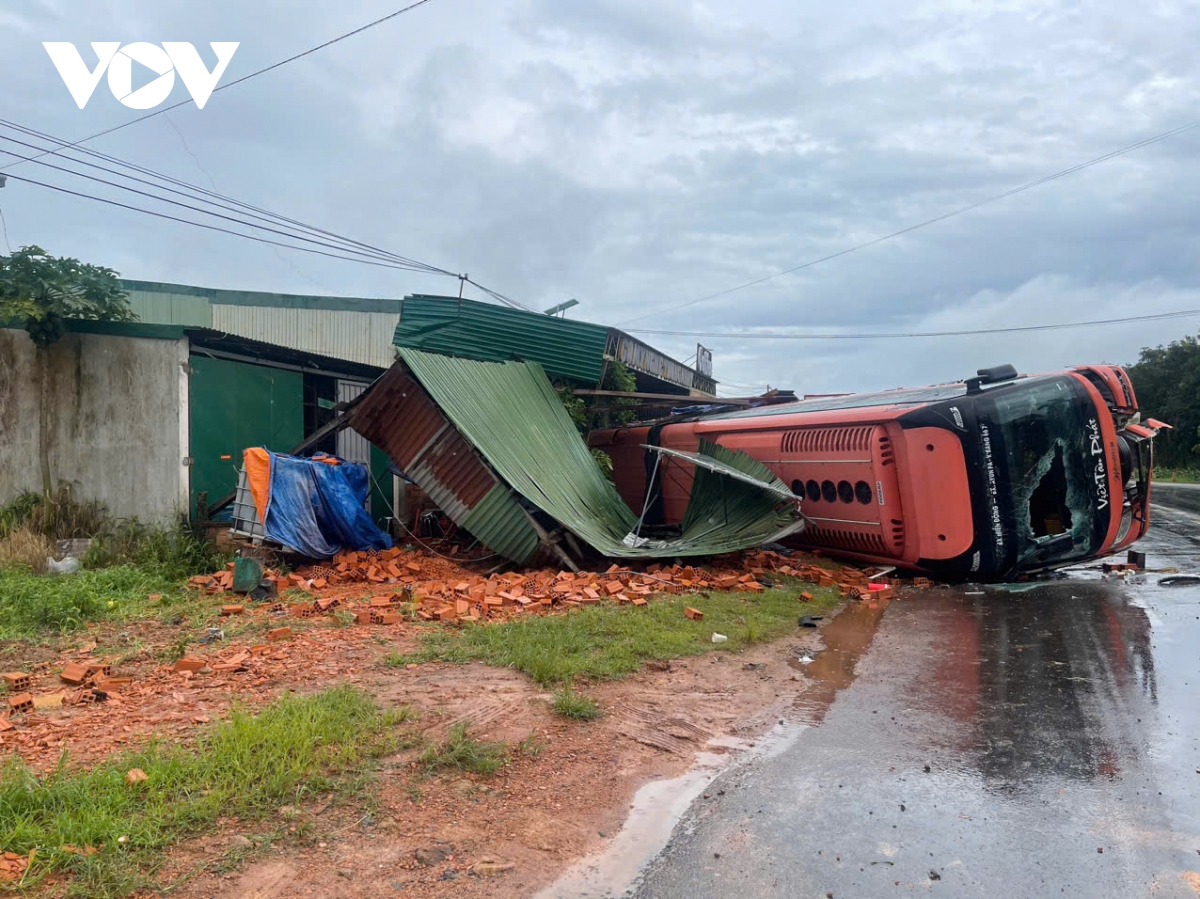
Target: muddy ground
(514, 832)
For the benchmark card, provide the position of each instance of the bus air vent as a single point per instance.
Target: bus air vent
(887, 456)
(829, 440)
(850, 541)
(897, 535)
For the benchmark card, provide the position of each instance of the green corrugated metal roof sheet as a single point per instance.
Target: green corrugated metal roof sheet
(473, 330)
(510, 413)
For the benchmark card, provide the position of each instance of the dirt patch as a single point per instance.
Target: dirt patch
(513, 833)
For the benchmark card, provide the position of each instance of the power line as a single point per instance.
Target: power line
(234, 219)
(892, 335)
(294, 229)
(933, 221)
(508, 301)
(262, 71)
(200, 194)
(205, 226)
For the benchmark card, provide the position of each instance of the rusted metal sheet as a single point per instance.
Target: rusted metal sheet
(399, 417)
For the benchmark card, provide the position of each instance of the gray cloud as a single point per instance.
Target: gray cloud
(639, 154)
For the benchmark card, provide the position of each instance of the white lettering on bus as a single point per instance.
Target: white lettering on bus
(1101, 473)
(992, 489)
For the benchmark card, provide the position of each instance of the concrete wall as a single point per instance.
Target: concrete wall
(117, 420)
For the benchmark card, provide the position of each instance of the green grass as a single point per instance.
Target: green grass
(32, 604)
(610, 641)
(1177, 475)
(570, 704)
(464, 753)
(244, 768)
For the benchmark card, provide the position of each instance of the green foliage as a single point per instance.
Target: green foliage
(570, 704)
(610, 641)
(459, 750)
(618, 412)
(171, 553)
(44, 290)
(603, 461)
(244, 768)
(1167, 382)
(1177, 475)
(32, 604)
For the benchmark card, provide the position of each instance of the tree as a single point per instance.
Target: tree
(1167, 383)
(42, 292)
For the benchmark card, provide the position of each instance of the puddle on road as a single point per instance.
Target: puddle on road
(846, 639)
(658, 806)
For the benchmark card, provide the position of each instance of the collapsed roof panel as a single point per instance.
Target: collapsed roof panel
(399, 417)
(476, 435)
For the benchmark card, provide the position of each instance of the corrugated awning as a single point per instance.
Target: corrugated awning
(510, 414)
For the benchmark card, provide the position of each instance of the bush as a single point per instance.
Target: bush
(177, 553)
(58, 516)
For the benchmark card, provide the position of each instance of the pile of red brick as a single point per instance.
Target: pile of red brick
(433, 588)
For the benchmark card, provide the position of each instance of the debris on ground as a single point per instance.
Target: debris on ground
(110, 703)
(440, 589)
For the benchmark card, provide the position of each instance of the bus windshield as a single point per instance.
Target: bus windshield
(1049, 479)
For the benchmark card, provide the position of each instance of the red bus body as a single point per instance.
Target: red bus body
(982, 479)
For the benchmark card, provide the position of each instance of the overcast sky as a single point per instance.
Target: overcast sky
(637, 154)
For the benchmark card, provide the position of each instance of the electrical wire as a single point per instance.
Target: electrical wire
(243, 212)
(508, 301)
(356, 254)
(255, 74)
(205, 226)
(199, 194)
(892, 335)
(933, 221)
(4, 225)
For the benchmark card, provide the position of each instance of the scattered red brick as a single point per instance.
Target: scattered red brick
(279, 633)
(16, 681)
(694, 614)
(233, 610)
(73, 673)
(189, 663)
(136, 775)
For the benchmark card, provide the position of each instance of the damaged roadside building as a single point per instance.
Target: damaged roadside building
(151, 418)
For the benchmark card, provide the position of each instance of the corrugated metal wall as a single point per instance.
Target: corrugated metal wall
(356, 336)
(163, 308)
(473, 330)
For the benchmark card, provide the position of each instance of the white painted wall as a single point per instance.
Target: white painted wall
(117, 421)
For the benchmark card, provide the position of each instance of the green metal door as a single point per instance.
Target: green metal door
(235, 405)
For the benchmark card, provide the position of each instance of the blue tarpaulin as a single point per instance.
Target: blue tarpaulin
(318, 508)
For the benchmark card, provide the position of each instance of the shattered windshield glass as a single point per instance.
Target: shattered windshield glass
(1047, 431)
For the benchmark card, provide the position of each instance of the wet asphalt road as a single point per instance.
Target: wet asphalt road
(1044, 743)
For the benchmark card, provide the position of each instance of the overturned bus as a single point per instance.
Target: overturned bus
(987, 478)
